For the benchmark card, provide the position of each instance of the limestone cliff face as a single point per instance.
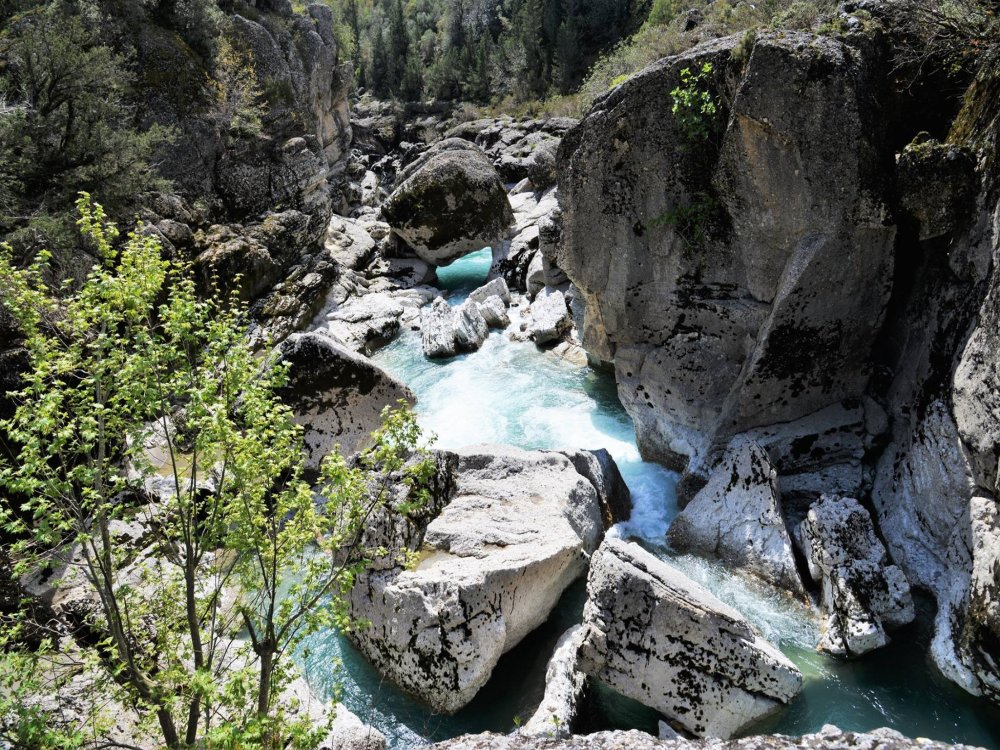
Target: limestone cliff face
(737, 280)
(796, 280)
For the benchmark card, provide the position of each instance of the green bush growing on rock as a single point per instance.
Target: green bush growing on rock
(691, 220)
(694, 107)
(145, 407)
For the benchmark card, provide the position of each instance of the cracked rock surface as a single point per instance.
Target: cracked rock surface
(657, 637)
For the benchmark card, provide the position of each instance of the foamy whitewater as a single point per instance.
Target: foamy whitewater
(511, 392)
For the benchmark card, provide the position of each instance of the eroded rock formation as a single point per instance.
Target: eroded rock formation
(449, 202)
(517, 530)
(707, 266)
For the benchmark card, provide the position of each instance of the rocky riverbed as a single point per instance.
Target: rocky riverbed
(718, 415)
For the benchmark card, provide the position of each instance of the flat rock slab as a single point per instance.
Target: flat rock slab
(517, 531)
(659, 638)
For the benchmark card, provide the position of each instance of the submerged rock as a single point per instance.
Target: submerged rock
(450, 202)
(336, 395)
(659, 638)
(516, 532)
(863, 593)
(737, 518)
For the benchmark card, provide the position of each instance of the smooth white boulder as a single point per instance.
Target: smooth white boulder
(657, 637)
(737, 518)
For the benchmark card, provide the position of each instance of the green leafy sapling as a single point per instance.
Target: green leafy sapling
(144, 404)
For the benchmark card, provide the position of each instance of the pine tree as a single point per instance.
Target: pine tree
(378, 74)
(398, 47)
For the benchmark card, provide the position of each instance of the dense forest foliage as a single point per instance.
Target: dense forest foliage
(484, 50)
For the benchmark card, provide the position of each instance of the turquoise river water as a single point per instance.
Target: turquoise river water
(510, 392)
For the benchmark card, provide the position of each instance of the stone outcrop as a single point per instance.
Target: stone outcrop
(520, 149)
(564, 687)
(448, 203)
(517, 530)
(706, 270)
(863, 593)
(262, 192)
(336, 395)
(828, 738)
(737, 518)
(935, 485)
(657, 637)
(534, 234)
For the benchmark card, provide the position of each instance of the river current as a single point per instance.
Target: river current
(511, 392)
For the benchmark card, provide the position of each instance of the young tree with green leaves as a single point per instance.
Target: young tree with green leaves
(145, 404)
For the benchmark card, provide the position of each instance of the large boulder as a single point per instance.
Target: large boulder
(740, 280)
(517, 530)
(737, 518)
(336, 394)
(657, 637)
(450, 202)
(863, 592)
